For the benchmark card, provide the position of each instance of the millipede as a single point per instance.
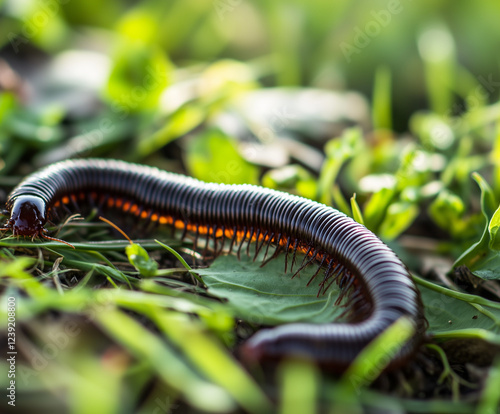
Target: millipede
(374, 279)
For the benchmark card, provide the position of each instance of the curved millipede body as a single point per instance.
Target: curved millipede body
(378, 282)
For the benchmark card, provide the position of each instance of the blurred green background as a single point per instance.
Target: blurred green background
(337, 45)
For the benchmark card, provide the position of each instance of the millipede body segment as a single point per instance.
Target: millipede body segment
(350, 254)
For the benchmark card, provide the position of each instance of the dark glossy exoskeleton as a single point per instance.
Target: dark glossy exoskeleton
(350, 254)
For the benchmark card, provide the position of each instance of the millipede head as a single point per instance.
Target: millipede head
(27, 216)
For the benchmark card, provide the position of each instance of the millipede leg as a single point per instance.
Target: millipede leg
(317, 271)
(287, 248)
(259, 247)
(295, 246)
(242, 241)
(233, 239)
(304, 264)
(252, 231)
(223, 239)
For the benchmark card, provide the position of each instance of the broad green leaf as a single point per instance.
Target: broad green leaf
(213, 157)
(452, 312)
(266, 295)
